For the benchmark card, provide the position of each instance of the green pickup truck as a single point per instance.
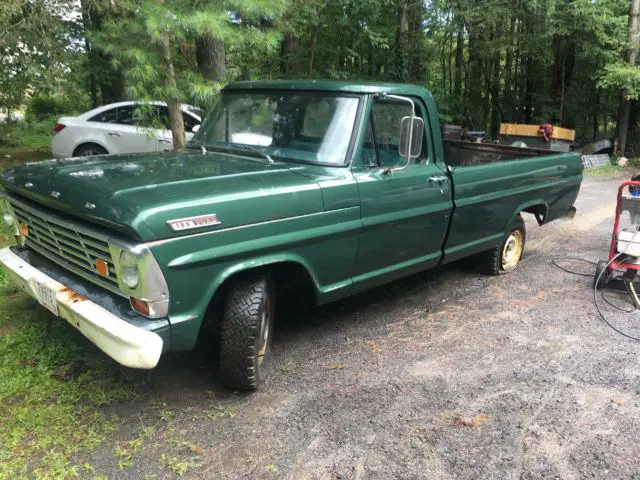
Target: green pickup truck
(289, 190)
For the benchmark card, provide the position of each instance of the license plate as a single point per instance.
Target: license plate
(47, 297)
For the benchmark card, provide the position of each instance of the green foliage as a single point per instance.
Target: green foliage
(622, 77)
(44, 107)
(38, 48)
(132, 36)
(53, 390)
(34, 135)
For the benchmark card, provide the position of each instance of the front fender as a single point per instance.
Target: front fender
(263, 262)
(195, 267)
(186, 324)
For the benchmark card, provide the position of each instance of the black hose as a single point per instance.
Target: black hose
(595, 297)
(572, 259)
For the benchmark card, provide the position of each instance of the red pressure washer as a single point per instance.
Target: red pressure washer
(624, 253)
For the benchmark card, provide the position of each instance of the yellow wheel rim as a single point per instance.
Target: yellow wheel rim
(265, 332)
(512, 250)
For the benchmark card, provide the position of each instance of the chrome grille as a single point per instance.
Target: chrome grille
(68, 246)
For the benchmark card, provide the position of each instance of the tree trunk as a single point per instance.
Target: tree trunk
(625, 104)
(401, 66)
(212, 58)
(175, 114)
(457, 91)
(509, 63)
(473, 89)
(289, 56)
(415, 43)
(314, 42)
(529, 86)
(596, 112)
(496, 113)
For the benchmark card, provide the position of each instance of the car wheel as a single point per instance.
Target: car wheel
(245, 333)
(89, 150)
(506, 256)
(602, 276)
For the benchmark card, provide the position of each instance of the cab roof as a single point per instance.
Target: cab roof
(331, 86)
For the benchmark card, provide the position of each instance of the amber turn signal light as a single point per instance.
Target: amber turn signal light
(102, 267)
(140, 306)
(24, 230)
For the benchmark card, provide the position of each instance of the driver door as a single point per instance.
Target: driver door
(405, 212)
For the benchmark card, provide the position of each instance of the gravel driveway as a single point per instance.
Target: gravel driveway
(447, 374)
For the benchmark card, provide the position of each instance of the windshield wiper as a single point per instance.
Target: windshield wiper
(264, 155)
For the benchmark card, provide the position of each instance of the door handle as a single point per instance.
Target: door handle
(442, 180)
(164, 140)
(114, 134)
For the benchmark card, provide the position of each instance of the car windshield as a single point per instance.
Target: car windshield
(315, 128)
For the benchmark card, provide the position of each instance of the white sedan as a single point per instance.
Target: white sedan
(125, 127)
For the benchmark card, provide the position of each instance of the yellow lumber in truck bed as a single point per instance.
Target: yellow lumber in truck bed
(524, 130)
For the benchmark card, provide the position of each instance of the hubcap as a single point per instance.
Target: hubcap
(89, 153)
(263, 340)
(512, 250)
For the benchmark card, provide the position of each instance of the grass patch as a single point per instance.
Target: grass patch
(53, 391)
(608, 171)
(35, 135)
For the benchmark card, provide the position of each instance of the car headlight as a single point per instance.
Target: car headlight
(129, 269)
(8, 218)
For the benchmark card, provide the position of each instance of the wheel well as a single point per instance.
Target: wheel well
(539, 211)
(86, 144)
(291, 280)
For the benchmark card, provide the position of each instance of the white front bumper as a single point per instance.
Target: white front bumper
(125, 343)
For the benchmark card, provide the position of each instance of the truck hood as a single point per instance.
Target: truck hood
(138, 194)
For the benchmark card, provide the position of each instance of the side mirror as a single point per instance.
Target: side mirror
(195, 128)
(411, 135)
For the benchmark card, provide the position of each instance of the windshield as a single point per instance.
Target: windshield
(314, 128)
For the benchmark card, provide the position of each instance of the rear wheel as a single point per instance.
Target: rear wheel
(88, 150)
(602, 276)
(506, 256)
(245, 333)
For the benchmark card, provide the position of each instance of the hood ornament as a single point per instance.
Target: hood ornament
(55, 194)
(28, 185)
(189, 223)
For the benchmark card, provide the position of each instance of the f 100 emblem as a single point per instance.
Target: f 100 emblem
(190, 223)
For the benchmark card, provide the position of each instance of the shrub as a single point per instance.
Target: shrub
(44, 106)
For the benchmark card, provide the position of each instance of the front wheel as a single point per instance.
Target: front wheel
(89, 150)
(245, 334)
(602, 276)
(506, 256)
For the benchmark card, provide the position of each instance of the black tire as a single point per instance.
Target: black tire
(493, 261)
(88, 150)
(601, 277)
(245, 339)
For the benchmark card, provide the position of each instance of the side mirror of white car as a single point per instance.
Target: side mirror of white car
(195, 128)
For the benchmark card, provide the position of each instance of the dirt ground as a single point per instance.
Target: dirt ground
(447, 374)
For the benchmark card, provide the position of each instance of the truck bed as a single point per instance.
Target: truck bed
(466, 154)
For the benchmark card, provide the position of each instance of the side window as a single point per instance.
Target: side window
(150, 116)
(108, 116)
(189, 122)
(369, 157)
(317, 117)
(162, 118)
(386, 118)
(125, 115)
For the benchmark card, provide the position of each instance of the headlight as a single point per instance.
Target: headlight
(129, 269)
(8, 218)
